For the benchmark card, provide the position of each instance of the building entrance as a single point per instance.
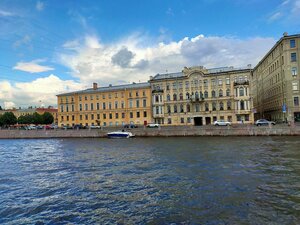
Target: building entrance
(198, 121)
(207, 120)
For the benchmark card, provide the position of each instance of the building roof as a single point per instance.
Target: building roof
(109, 88)
(212, 71)
(285, 36)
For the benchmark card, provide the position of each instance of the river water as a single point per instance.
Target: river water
(192, 180)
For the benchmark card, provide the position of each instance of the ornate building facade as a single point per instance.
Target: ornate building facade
(200, 96)
(106, 106)
(275, 81)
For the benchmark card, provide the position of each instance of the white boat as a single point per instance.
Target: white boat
(120, 134)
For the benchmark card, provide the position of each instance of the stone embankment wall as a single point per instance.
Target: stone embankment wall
(169, 131)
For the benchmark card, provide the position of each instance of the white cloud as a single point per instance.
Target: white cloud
(137, 57)
(23, 41)
(32, 67)
(40, 6)
(40, 91)
(287, 11)
(275, 16)
(5, 13)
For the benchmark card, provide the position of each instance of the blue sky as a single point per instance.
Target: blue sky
(50, 47)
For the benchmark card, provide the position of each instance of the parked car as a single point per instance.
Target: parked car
(79, 126)
(95, 127)
(130, 126)
(53, 126)
(222, 123)
(264, 122)
(153, 125)
(31, 127)
(40, 127)
(47, 127)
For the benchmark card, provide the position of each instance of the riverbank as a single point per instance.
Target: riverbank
(166, 131)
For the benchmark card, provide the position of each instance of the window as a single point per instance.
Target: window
(110, 116)
(98, 116)
(294, 71)
(227, 81)
(220, 93)
(293, 57)
(130, 103)
(189, 120)
(80, 98)
(131, 114)
(116, 104)
(145, 114)
(175, 108)
(104, 116)
(116, 95)
(123, 115)
(205, 94)
(137, 114)
(144, 103)
(296, 101)
(229, 118)
(122, 104)
(86, 106)
(213, 94)
(229, 105)
(221, 106)
(187, 95)
(188, 108)
(213, 82)
(144, 93)
(137, 103)
(241, 91)
(187, 85)
(130, 94)
(169, 108)
(181, 108)
(85, 97)
(181, 96)
(80, 117)
(117, 115)
(214, 106)
(227, 92)
(92, 116)
(174, 97)
(98, 106)
(220, 82)
(86, 117)
(181, 120)
(242, 104)
(168, 98)
(136, 93)
(109, 105)
(67, 118)
(91, 97)
(92, 106)
(61, 108)
(169, 120)
(292, 43)
(197, 108)
(103, 105)
(109, 95)
(206, 107)
(295, 86)
(72, 108)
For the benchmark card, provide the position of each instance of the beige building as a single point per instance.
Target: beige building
(200, 96)
(106, 106)
(275, 81)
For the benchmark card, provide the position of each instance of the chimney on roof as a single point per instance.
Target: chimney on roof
(95, 86)
(285, 34)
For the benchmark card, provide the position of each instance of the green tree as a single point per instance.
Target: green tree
(1, 107)
(37, 118)
(8, 118)
(1, 121)
(47, 118)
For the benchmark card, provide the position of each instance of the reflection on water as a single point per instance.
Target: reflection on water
(199, 180)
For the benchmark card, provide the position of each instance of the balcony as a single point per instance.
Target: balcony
(244, 82)
(158, 91)
(196, 99)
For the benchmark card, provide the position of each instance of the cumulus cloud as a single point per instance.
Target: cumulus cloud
(32, 67)
(40, 91)
(122, 58)
(40, 6)
(137, 57)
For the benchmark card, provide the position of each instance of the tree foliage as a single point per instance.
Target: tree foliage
(36, 118)
(47, 118)
(8, 118)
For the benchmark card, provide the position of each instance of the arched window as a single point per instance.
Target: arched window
(174, 97)
(206, 107)
(228, 92)
(175, 108)
(181, 108)
(205, 94)
(188, 108)
(197, 108)
(197, 95)
(201, 94)
(180, 96)
(229, 105)
(187, 95)
(241, 91)
(169, 108)
(221, 106)
(213, 94)
(168, 97)
(214, 106)
(220, 93)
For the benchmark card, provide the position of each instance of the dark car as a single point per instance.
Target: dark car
(130, 126)
(264, 122)
(79, 126)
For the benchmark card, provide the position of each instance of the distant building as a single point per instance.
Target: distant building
(200, 96)
(106, 106)
(275, 81)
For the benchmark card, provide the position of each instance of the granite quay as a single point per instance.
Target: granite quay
(165, 131)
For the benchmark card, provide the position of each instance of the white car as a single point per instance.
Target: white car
(95, 127)
(222, 123)
(153, 125)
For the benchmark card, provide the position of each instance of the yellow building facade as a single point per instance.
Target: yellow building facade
(275, 81)
(106, 106)
(200, 96)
